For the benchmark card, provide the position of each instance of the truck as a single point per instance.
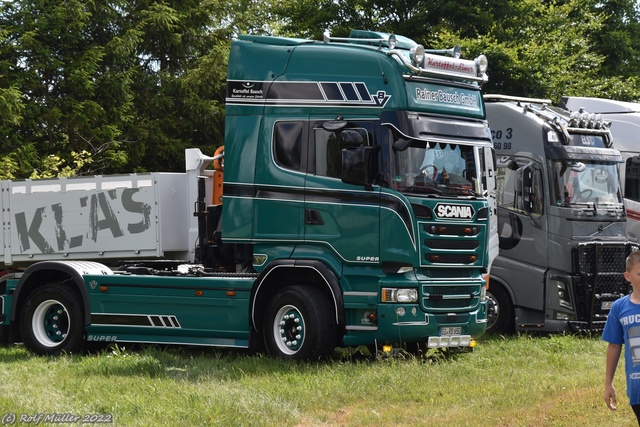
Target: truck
(561, 218)
(348, 206)
(624, 121)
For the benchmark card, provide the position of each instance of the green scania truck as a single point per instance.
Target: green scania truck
(348, 206)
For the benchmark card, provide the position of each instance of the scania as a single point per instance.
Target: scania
(454, 211)
(328, 155)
